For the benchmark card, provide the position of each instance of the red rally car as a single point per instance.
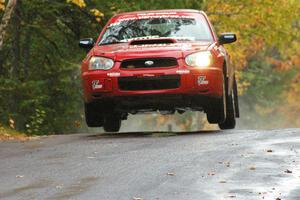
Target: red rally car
(163, 60)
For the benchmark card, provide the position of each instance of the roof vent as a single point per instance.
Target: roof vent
(152, 41)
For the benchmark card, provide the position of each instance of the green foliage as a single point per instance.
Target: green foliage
(40, 66)
(40, 62)
(263, 100)
(265, 84)
(34, 126)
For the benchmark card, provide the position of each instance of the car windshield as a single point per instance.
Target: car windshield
(193, 29)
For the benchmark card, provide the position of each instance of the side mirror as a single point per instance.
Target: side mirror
(227, 38)
(86, 43)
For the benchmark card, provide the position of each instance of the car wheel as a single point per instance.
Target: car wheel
(236, 99)
(93, 117)
(229, 122)
(112, 123)
(216, 110)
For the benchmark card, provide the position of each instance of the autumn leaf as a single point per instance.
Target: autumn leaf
(96, 12)
(252, 168)
(79, 3)
(2, 5)
(137, 198)
(288, 171)
(171, 174)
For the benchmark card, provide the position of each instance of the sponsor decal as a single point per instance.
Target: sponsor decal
(113, 74)
(96, 85)
(157, 13)
(151, 16)
(202, 80)
(183, 71)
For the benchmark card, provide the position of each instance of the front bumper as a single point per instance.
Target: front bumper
(200, 82)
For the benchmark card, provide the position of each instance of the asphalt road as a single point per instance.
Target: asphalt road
(239, 164)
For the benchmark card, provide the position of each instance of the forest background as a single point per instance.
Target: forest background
(40, 88)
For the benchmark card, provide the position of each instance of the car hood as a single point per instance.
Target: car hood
(124, 51)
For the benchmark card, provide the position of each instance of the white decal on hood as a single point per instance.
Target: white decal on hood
(113, 74)
(183, 71)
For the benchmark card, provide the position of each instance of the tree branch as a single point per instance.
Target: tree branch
(11, 5)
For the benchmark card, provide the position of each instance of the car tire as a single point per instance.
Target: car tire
(236, 99)
(112, 123)
(216, 109)
(229, 122)
(93, 117)
(216, 114)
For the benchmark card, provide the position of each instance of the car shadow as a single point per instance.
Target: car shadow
(150, 134)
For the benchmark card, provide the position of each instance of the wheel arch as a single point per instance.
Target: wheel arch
(225, 68)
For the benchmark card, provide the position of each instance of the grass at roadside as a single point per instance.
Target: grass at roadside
(11, 134)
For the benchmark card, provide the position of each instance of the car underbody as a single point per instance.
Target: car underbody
(165, 104)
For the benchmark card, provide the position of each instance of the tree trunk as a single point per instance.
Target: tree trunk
(26, 52)
(16, 35)
(5, 19)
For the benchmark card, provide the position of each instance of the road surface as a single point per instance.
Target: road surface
(238, 164)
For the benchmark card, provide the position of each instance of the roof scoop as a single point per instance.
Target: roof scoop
(153, 41)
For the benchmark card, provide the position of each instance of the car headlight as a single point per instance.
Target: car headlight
(100, 63)
(200, 59)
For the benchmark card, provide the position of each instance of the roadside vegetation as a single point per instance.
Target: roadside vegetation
(40, 87)
(7, 133)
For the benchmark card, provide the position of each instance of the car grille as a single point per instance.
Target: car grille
(142, 63)
(149, 83)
